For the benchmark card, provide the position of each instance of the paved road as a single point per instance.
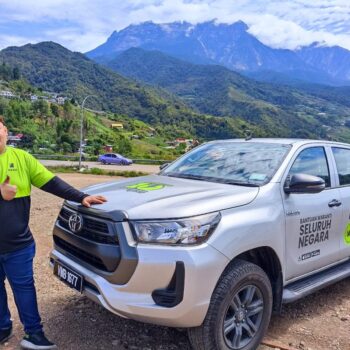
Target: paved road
(135, 167)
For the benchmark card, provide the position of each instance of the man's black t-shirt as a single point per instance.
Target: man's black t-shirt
(24, 170)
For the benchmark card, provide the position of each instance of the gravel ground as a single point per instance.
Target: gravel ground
(318, 322)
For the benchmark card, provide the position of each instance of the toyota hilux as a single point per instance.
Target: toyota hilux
(216, 241)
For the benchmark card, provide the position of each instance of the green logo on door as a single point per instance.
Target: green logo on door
(347, 234)
(145, 187)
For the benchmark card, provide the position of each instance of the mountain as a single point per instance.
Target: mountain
(52, 67)
(232, 46)
(174, 38)
(219, 91)
(334, 60)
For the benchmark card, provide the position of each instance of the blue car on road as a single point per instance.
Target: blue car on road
(114, 158)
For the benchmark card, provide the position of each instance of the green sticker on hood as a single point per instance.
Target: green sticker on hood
(347, 234)
(145, 187)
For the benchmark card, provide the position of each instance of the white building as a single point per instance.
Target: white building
(60, 100)
(7, 94)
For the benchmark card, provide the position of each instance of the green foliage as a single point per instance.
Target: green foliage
(96, 171)
(16, 73)
(124, 146)
(8, 73)
(41, 107)
(54, 110)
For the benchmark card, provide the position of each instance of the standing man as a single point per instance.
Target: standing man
(18, 171)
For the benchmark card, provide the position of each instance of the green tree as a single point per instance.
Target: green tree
(16, 73)
(54, 110)
(66, 147)
(67, 108)
(5, 71)
(124, 146)
(41, 107)
(3, 105)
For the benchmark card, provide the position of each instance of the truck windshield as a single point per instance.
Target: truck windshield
(239, 163)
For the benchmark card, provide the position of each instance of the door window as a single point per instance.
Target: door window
(342, 160)
(312, 161)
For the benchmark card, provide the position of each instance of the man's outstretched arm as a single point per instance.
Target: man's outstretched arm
(62, 189)
(44, 179)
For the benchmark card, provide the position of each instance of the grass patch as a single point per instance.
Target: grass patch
(96, 171)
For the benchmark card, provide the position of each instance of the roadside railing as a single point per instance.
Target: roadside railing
(94, 159)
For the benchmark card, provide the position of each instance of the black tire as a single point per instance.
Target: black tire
(242, 279)
(103, 162)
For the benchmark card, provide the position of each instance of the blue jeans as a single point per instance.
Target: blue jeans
(17, 267)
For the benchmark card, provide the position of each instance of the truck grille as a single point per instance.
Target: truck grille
(93, 229)
(97, 242)
(80, 254)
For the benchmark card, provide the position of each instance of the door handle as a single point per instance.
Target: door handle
(334, 203)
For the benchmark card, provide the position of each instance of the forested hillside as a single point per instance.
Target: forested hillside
(185, 100)
(51, 67)
(215, 90)
(51, 128)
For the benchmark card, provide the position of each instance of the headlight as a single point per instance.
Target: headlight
(179, 231)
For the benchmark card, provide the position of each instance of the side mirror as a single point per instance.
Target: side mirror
(304, 183)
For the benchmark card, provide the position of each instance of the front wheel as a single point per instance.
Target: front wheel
(239, 312)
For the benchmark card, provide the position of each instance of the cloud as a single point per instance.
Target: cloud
(279, 33)
(81, 25)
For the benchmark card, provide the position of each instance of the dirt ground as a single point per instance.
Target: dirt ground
(319, 322)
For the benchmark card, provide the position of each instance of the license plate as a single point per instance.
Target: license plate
(68, 276)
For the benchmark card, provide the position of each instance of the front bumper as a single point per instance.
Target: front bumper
(155, 269)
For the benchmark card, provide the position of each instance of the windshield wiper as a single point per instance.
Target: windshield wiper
(237, 183)
(187, 176)
(210, 179)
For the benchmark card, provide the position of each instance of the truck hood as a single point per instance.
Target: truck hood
(162, 197)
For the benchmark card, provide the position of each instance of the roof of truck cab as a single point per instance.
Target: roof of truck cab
(285, 141)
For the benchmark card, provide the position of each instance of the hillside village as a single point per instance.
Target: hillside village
(51, 97)
(137, 133)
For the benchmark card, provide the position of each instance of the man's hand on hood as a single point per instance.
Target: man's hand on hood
(87, 201)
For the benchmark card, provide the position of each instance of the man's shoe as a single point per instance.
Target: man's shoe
(5, 335)
(37, 341)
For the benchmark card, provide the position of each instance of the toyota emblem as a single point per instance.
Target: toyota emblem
(75, 223)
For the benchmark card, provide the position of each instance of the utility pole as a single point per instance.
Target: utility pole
(81, 128)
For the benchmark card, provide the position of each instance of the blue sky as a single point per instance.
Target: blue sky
(81, 25)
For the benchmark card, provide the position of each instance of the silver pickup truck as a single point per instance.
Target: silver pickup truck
(216, 241)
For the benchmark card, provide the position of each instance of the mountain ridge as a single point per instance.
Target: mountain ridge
(216, 90)
(230, 45)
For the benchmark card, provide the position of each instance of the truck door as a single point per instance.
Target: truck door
(312, 220)
(342, 163)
